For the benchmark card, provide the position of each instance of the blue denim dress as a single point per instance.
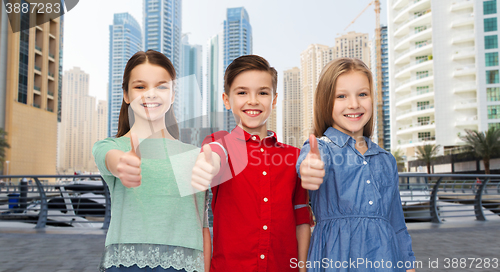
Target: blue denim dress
(359, 218)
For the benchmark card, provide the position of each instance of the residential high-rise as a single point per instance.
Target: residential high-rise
(312, 61)
(163, 32)
(237, 42)
(79, 127)
(382, 137)
(353, 45)
(443, 68)
(271, 121)
(124, 41)
(292, 108)
(102, 120)
(213, 107)
(29, 79)
(190, 85)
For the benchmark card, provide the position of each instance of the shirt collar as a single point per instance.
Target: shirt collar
(340, 139)
(240, 133)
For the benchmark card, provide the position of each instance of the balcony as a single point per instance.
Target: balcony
(464, 71)
(462, 4)
(422, 35)
(38, 49)
(38, 69)
(419, 126)
(414, 65)
(417, 49)
(415, 95)
(464, 53)
(413, 6)
(418, 141)
(414, 111)
(467, 121)
(463, 21)
(421, 79)
(396, 4)
(36, 89)
(468, 37)
(464, 88)
(403, 27)
(466, 104)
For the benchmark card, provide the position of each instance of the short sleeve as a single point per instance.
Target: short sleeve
(100, 149)
(302, 210)
(217, 145)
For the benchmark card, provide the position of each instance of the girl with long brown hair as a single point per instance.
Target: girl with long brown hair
(153, 226)
(353, 183)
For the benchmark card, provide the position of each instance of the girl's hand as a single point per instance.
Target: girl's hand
(312, 168)
(129, 165)
(206, 167)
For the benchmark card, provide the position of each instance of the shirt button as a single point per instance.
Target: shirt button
(368, 181)
(262, 150)
(262, 256)
(264, 173)
(370, 202)
(264, 227)
(364, 162)
(254, 138)
(265, 199)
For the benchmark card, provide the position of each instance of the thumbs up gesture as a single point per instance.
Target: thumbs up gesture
(129, 165)
(312, 168)
(206, 167)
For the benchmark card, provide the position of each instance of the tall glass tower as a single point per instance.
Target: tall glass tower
(125, 39)
(162, 31)
(237, 42)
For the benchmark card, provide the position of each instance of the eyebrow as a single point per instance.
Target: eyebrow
(142, 81)
(246, 88)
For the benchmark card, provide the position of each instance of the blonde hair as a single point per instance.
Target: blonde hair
(325, 93)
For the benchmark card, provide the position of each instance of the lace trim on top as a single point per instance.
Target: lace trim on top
(152, 255)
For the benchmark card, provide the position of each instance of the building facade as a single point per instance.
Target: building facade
(292, 108)
(125, 40)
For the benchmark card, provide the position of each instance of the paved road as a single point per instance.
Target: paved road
(72, 250)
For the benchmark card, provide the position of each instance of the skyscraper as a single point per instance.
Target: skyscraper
(383, 137)
(29, 79)
(124, 41)
(213, 88)
(163, 32)
(353, 45)
(79, 128)
(237, 42)
(443, 71)
(292, 108)
(190, 85)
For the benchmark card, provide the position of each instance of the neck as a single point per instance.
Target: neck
(261, 131)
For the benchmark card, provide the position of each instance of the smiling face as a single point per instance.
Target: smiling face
(150, 92)
(251, 99)
(353, 104)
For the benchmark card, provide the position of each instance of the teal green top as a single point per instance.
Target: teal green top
(162, 215)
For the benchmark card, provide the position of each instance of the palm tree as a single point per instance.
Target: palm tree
(427, 153)
(484, 144)
(3, 146)
(400, 160)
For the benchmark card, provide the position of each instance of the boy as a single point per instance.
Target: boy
(261, 213)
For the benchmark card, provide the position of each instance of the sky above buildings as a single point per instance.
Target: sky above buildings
(282, 29)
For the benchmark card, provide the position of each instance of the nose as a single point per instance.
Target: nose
(353, 102)
(253, 99)
(151, 94)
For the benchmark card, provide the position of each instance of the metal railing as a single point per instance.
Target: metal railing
(446, 197)
(72, 201)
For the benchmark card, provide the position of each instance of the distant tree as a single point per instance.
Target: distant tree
(485, 144)
(427, 153)
(400, 160)
(3, 145)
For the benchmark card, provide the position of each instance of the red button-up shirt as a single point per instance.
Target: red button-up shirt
(257, 203)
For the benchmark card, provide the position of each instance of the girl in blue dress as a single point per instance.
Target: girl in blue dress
(353, 182)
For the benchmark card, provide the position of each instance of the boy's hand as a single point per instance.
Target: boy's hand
(129, 165)
(312, 168)
(206, 167)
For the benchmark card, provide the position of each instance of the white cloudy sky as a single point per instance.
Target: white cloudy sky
(281, 30)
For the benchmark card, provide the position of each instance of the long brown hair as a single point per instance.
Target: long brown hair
(141, 57)
(325, 93)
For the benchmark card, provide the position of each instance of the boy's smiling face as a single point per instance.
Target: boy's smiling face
(251, 99)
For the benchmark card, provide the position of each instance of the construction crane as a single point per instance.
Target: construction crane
(378, 42)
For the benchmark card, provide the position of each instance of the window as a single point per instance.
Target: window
(490, 42)
(493, 94)
(490, 7)
(490, 24)
(420, 59)
(422, 74)
(492, 77)
(424, 120)
(422, 105)
(491, 59)
(422, 89)
(420, 44)
(420, 29)
(424, 136)
(495, 125)
(494, 112)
